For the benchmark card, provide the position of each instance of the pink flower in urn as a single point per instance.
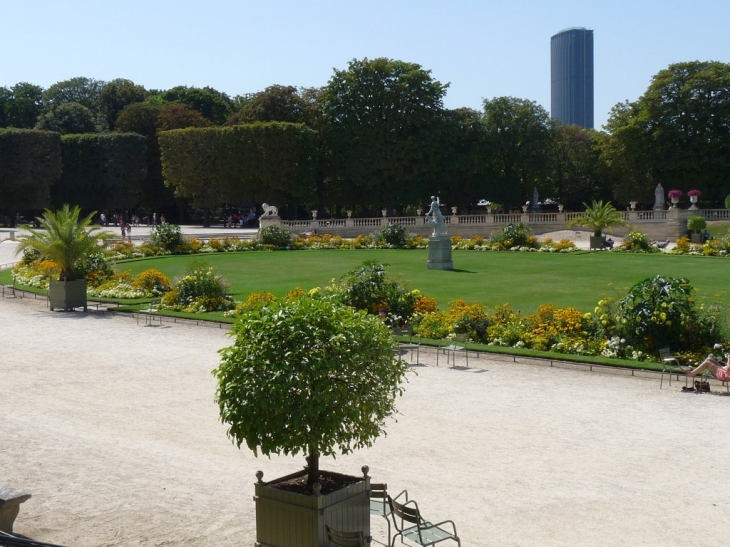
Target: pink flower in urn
(694, 193)
(675, 194)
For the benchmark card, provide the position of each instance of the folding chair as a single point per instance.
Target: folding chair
(458, 345)
(345, 539)
(671, 365)
(420, 531)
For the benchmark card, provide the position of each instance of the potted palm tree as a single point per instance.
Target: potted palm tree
(308, 375)
(66, 240)
(598, 217)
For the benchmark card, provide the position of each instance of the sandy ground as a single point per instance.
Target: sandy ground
(112, 426)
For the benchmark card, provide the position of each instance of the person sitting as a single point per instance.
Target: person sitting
(715, 367)
(608, 244)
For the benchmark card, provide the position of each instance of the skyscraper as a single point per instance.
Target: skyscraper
(571, 77)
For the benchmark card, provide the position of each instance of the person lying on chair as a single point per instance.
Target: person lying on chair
(715, 367)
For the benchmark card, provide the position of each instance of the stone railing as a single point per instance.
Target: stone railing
(664, 225)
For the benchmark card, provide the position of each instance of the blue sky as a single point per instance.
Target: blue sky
(483, 48)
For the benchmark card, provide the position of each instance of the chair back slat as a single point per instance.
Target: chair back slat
(378, 490)
(345, 539)
(403, 512)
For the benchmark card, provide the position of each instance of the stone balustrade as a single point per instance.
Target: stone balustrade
(660, 225)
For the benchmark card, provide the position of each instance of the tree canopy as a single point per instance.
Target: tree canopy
(308, 375)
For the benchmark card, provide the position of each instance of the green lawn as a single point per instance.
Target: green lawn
(524, 280)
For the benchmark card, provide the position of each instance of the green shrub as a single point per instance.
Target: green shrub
(393, 234)
(274, 237)
(515, 234)
(168, 238)
(660, 311)
(636, 242)
(369, 288)
(199, 291)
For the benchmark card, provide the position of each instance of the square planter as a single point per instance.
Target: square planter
(289, 519)
(67, 295)
(695, 238)
(596, 242)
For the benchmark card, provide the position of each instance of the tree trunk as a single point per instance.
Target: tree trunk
(312, 469)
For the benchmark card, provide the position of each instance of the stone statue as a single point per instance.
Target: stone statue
(269, 210)
(535, 205)
(659, 203)
(435, 218)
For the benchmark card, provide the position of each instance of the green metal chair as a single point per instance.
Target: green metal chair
(345, 539)
(671, 365)
(411, 526)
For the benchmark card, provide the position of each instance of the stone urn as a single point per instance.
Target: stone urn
(385, 212)
(314, 214)
(633, 205)
(419, 212)
(525, 208)
(453, 210)
(349, 214)
(560, 207)
(693, 199)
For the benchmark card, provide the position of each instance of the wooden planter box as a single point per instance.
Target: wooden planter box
(596, 242)
(695, 238)
(67, 295)
(288, 519)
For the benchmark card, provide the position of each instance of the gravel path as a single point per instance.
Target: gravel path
(113, 428)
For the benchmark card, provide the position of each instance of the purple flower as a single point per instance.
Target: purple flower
(675, 194)
(693, 193)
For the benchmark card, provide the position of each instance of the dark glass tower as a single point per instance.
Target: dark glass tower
(571, 77)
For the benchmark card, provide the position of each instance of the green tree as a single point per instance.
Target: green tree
(114, 97)
(277, 103)
(180, 116)
(75, 90)
(67, 118)
(574, 166)
(677, 132)
(308, 376)
(21, 105)
(65, 239)
(211, 103)
(381, 123)
(517, 140)
(141, 118)
(30, 161)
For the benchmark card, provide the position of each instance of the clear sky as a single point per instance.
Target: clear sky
(483, 48)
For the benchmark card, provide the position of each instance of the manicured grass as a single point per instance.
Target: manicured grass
(523, 280)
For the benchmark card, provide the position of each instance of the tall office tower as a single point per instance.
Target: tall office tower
(571, 77)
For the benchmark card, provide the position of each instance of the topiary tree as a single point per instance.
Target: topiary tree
(308, 375)
(598, 217)
(696, 223)
(727, 202)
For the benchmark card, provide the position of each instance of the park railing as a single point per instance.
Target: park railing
(659, 224)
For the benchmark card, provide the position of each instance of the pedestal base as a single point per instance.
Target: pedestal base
(439, 253)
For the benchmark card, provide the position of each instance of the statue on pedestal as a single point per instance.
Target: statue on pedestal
(435, 218)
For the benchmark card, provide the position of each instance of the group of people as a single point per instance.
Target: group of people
(238, 221)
